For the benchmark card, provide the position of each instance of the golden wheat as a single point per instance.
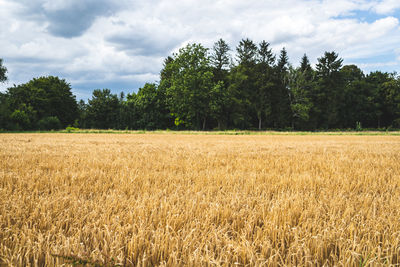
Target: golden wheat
(160, 199)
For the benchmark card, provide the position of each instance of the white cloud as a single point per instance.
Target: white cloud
(386, 6)
(125, 41)
(377, 64)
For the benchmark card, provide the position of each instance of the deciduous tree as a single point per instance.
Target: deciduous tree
(103, 109)
(48, 97)
(191, 85)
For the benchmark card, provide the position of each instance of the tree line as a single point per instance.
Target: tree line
(202, 88)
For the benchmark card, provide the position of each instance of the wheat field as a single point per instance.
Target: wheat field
(199, 200)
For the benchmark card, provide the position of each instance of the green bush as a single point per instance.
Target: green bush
(358, 126)
(71, 129)
(20, 120)
(49, 123)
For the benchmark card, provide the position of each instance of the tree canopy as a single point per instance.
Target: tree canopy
(40, 99)
(249, 87)
(191, 85)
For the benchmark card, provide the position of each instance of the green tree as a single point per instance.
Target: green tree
(49, 123)
(103, 109)
(246, 52)
(221, 104)
(3, 72)
(243, 79)
(5, 112)
(264, 82)
(191, 84)
(328, 92)
(129, 116)
(391, 92)
(221, 100)
(383, 99)
(220, 60)
(357, 105)
(83, 116)
(167, 119)
(149, 108)
(375, 80)
(300, 83)
(306, 69)
(23, 118)
(166, 74)
(48, 97)
(280, 108)
(238, 114)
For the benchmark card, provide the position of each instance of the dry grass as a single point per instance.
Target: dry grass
(199, 200)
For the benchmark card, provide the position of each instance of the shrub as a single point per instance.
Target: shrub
(20, 120)
(358, 126)
(49, 123)
(71, 129)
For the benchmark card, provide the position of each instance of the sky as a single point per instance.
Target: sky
(121, 44)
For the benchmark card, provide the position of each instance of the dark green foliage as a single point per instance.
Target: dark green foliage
(162, 90)
(328, 92)
(40, 98)
(149, 110)
(21, 120)
(103, 110)
(280, 99)
(221, 103)
(191, 84)
(357, 106)
(300, 83)
(5, 112)
(49, 123)
(202, 89)
(386, 88)
(264, 83)
(220, 60)
(3, 71)
(243, 80)
(246, 52)
(82, 121)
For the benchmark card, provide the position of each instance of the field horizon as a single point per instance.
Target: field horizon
(214, 132)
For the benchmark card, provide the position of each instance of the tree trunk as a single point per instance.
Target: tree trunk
(204, 123)
(219, 125)
(259, 123)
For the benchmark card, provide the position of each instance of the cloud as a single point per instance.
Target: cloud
(147, 37)
(387, 6)
(66, 18)
(377, 64)
(118, 43)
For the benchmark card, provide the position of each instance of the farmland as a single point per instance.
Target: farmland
(175, 199)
